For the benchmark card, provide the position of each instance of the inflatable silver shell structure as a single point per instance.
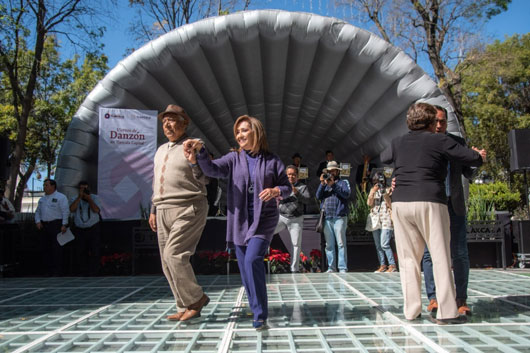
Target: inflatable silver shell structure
(316, 83)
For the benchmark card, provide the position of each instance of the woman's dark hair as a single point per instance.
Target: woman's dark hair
(420, 116)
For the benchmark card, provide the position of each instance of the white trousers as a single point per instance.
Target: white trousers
(295, 227)
(417, 224)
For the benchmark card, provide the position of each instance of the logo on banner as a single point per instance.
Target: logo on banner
(116, 116)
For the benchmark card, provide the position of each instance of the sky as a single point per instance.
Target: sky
(117, 40)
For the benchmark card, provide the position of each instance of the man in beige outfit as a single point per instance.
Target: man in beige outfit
(178, 214)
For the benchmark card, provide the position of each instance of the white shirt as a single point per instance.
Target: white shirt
(52, 207)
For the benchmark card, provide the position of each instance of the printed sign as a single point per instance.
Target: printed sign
(127, 146)
(345, 170)
(303, 173)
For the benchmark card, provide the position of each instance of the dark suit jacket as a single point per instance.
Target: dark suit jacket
(420, 159)
(456, 170)
(321, 166)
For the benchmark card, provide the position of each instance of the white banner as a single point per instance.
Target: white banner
(127, 146)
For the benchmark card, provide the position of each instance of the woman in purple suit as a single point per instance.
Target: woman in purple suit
(256, 177)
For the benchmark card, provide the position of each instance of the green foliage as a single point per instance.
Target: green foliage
(521, 213)
(479, 209)
(359, 209)
(60, 90)
(30, 71)
(496, 98)
(487, 8)
(484, 199)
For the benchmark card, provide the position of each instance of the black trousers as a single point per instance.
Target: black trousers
(87, 250)
(9, 238)
(52, 252)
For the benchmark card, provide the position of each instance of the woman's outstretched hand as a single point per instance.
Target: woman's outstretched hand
(192, 147)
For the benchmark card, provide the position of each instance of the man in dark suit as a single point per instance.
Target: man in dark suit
(329, 157)
(457, 214)
(420, 208)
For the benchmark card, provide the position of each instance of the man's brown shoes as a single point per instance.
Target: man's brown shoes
(175, 317)
(194, 310)
(463, 309)
(433, 306)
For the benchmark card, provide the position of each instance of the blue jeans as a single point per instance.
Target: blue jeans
(459, 257)
(335, 232)
(250, 262)
(382, 246)
(428, 277)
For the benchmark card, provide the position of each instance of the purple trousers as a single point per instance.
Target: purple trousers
(250, 261)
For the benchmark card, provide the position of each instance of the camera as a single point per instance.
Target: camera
(327, 176)
(381, 181)
(86, 191)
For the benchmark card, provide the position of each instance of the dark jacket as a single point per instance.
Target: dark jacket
(456, 170)
(341, 191)
(293, 205)
(420, 160)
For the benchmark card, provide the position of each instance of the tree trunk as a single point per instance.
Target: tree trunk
(18, 154)
(27, 101)
(22, 185)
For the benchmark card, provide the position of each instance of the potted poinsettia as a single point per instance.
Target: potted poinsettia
(280, 262)
(316, 260)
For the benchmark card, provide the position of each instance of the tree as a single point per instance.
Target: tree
(28, 24)
(496, 98)
(438, 30)
(156, 17)
(60, 90)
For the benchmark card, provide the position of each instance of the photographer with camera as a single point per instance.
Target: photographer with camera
(379, 222)
(333, 194)
(86, 208)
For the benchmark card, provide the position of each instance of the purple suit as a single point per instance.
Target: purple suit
(270, 172)
(251, 242)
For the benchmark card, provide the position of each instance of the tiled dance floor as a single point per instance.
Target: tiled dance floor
(354, 312)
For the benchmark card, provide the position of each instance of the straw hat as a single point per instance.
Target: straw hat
(331, 165)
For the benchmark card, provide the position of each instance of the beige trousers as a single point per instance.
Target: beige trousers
(417, 224)
(179, 230)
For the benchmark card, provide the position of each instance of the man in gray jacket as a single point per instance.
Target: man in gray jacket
(292, 214)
